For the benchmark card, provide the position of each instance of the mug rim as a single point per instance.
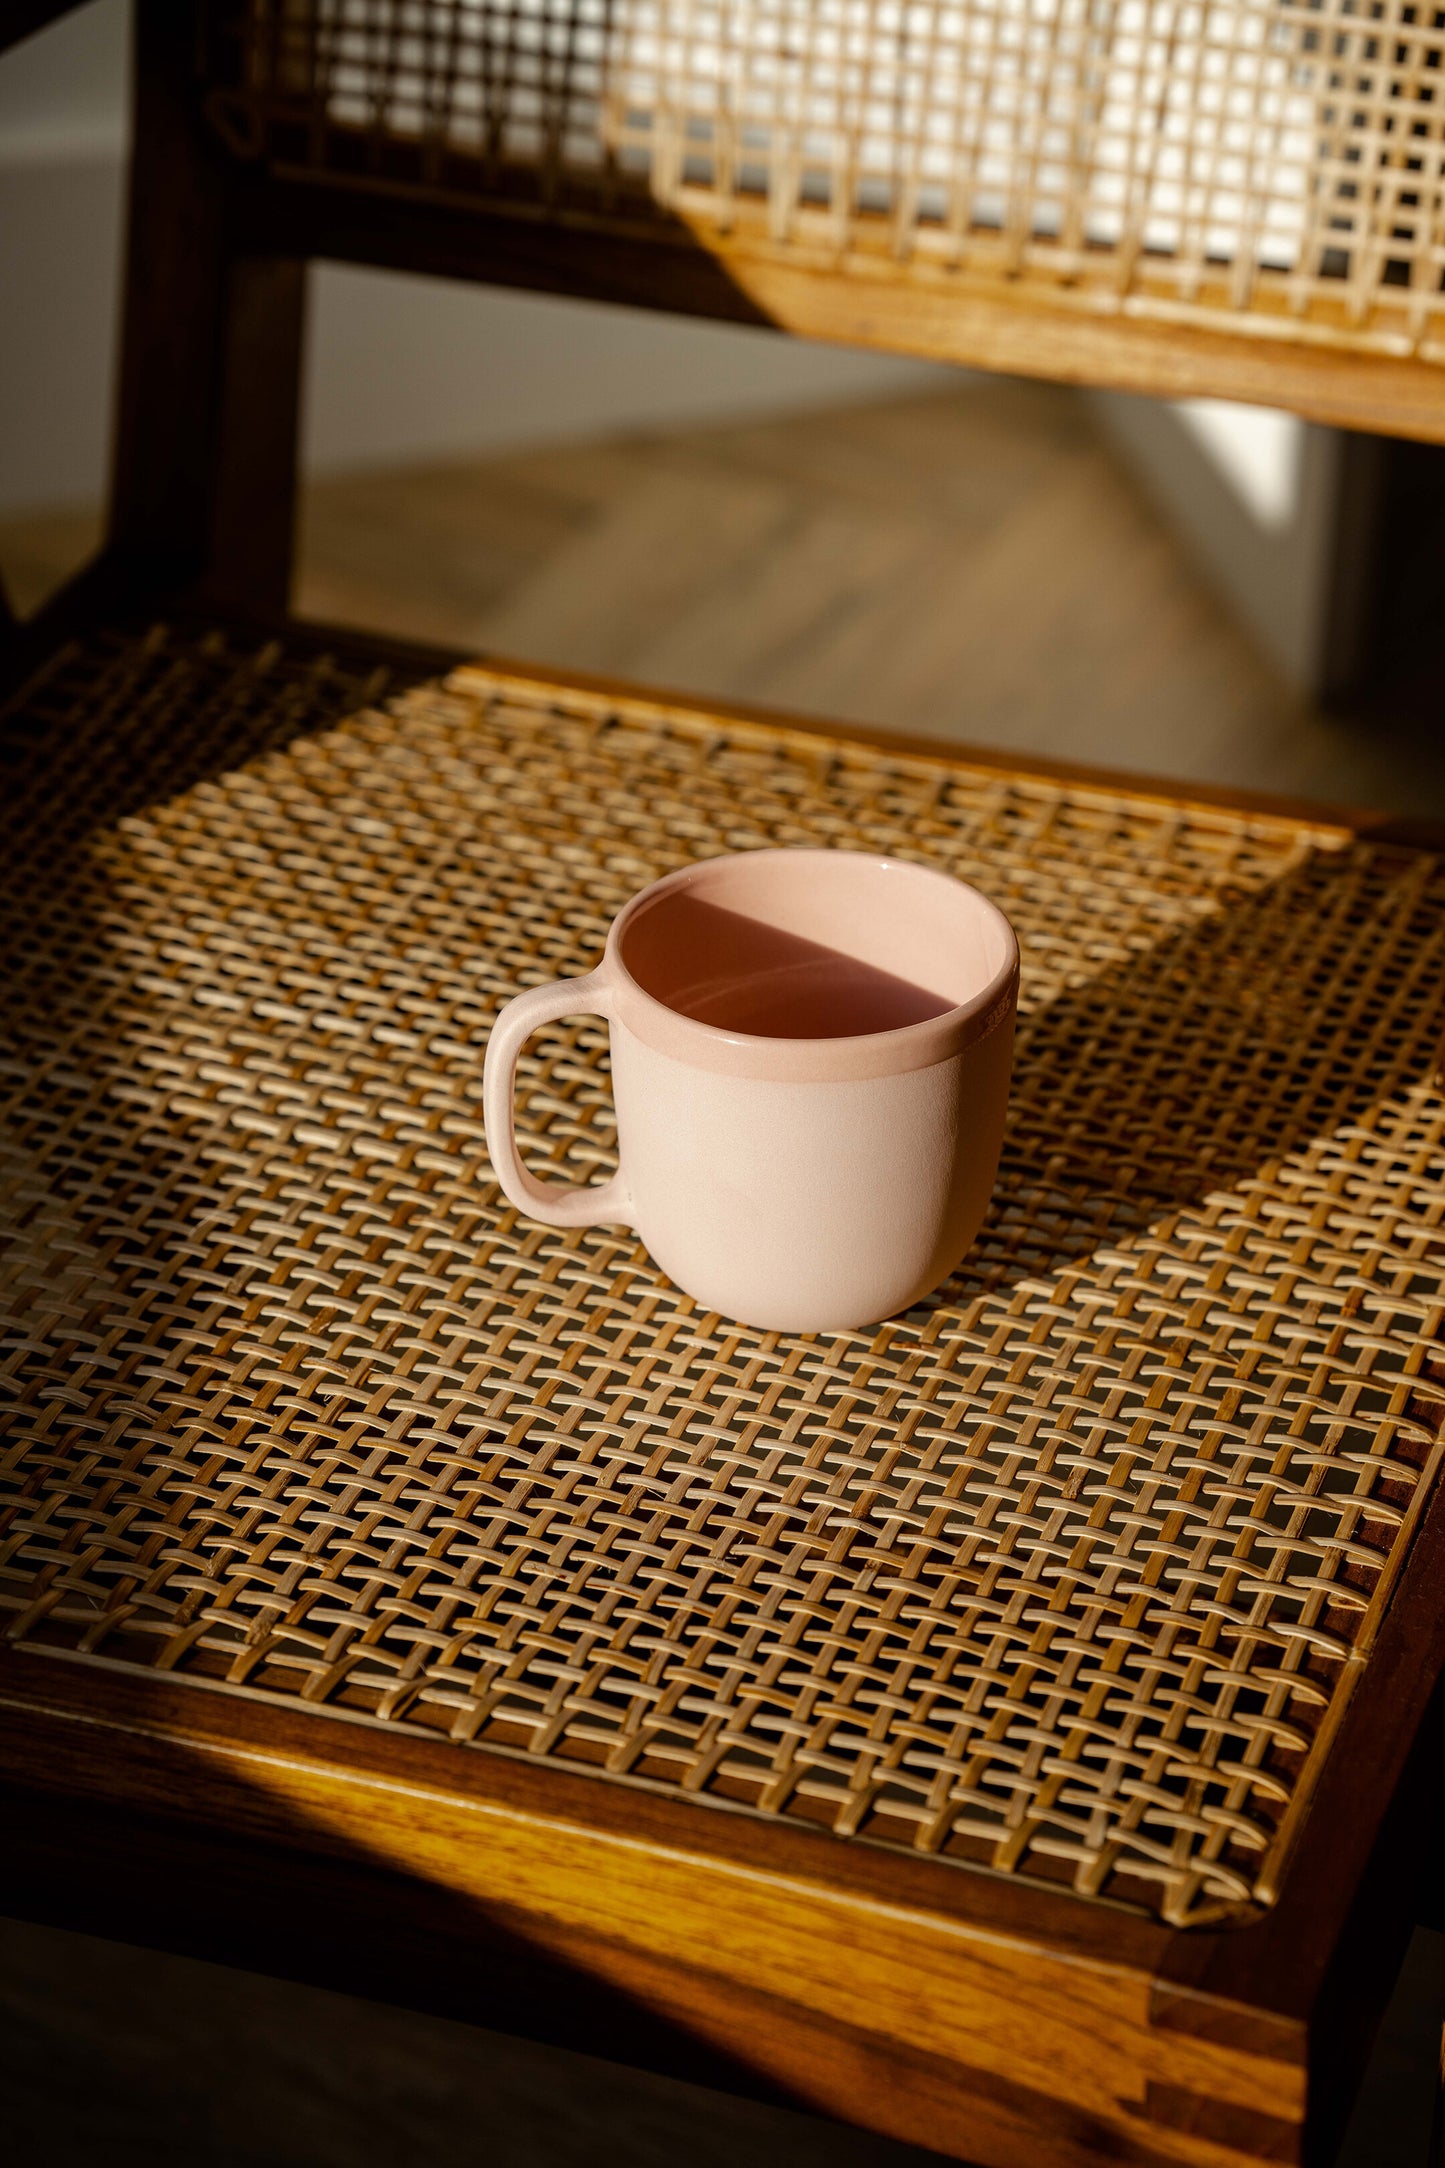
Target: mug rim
(863, 1054)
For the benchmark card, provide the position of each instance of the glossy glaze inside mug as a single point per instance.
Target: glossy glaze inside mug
(810, 1055)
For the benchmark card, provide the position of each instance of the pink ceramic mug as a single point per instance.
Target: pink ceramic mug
(810, 1059)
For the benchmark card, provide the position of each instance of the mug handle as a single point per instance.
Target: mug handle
(552, 1202)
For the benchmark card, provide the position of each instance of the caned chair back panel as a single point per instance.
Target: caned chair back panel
(1176, 180)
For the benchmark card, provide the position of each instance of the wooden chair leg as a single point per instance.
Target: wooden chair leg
(204, 491)
(253, 506)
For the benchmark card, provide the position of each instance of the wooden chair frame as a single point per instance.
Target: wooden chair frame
(380, 1866)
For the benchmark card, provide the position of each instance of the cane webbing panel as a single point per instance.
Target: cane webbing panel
(1068, 1572)
(1271, 165)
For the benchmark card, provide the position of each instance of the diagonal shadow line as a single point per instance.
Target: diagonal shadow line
(1277, 1019)
(172, 1850)
(153, 1843)
(1274, 1020)
(1200, 1064)
(105, 727)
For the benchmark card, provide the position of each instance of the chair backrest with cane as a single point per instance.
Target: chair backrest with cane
(1242, 198)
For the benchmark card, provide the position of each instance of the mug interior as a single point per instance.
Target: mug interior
(813, 944)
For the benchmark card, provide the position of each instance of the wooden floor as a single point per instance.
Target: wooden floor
(972, 564)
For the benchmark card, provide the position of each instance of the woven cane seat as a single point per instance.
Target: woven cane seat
(1067, 1574)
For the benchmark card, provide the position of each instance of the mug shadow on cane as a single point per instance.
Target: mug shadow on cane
(1182, 1070)
(1195, 1065)
(1177, 1071)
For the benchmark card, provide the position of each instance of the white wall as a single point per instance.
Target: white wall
(62, 94)
(1253, 495)
(398, 369)
(408, 368)
(62, 143)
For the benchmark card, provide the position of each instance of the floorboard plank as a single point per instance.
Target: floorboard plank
(969, 564)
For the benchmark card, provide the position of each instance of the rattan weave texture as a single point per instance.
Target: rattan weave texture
(1068, 1572)
(1273, 165)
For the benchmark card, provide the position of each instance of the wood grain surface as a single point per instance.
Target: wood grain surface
(970, 565)
(1031, 324)
(973, 2038)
